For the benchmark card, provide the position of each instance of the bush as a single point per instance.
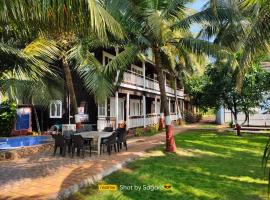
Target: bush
(7, 117)
(138, 132)
(192, 117)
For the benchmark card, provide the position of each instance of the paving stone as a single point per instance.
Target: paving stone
(44, 176)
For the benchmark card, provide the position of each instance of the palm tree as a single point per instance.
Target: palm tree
(27, 75)
(154, 25)
(66, 22)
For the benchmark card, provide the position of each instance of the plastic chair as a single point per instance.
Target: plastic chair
(110, 142)
(121, 138)
(61, 143)
(79, 143)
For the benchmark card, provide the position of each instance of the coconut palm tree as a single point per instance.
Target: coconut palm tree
(154, 25)
(27, 75)
(66, 22)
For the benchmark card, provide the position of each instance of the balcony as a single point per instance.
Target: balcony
(135, 81)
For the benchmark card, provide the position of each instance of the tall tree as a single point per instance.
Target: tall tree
(66, 22)
(157, 25)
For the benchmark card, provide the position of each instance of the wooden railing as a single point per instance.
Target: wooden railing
(135, 121)
(151, 84)
(134, 79)
(106, 122)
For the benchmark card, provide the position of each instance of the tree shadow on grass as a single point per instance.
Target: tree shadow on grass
(206, 177)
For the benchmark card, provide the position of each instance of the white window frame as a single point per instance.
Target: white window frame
(56, 103)
(103, 107)
(106, 55)
(133, 111)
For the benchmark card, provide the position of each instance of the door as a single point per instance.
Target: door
(121, 108)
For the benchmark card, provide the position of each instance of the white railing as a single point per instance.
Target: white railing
(151, 84)
(133, 79)
(151, 119)
(105, 122)
(169, 90)
(135, 121)
(173, 116)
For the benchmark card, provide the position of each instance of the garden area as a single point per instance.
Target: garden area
(131, 83)
(207, 165)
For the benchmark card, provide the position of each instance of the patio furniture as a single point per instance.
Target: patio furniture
(110, 142)
(79, 143)
(85, 128)
(95, 135)
(61, 143)
(121, 138)
(67, 135)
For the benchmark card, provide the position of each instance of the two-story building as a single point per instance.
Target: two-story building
(136, 100)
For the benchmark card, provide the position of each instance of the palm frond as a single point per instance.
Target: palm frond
(206, 17)
(200, 47)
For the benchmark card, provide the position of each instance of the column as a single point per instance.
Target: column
(156, 118)
(116, 109)
(156, 105)
(169, 106)
(175, 106)
(127, 112)
(118, 72)
(144, 111)
(143, 64)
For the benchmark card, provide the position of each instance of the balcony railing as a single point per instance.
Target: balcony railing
(151, 84)
(133, 79)
(135, 121)
(137, 80)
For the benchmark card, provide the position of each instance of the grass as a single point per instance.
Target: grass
(210, 126)
(207, 166)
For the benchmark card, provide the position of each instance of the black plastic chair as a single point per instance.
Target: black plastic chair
(121, 138)
(61, 143)
(79, 143)
(67, 135)
(110, 142)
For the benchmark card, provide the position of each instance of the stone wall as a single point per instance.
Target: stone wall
(22, 152)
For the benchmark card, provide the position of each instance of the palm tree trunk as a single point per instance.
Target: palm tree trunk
(161, 117)
(70, 87)
(170, 143)
(178, 112)
(36, 118)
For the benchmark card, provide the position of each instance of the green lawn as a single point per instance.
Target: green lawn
(206, 166)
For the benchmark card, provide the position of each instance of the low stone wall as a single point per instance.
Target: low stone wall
(22, 152)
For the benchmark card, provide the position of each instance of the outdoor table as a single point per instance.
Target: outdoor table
(95, 134)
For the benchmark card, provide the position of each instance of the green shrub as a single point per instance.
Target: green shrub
(7, 117)
(138, 132)
(151, 130)
(192, 117)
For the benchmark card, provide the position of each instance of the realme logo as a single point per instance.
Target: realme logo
(103, 187)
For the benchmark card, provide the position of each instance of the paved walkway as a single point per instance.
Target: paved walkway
(43, 176)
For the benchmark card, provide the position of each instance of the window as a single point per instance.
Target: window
(56, 109)
(137, 70)
(135, 107)
(149, 53)
(106, 58)
(102, 109)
